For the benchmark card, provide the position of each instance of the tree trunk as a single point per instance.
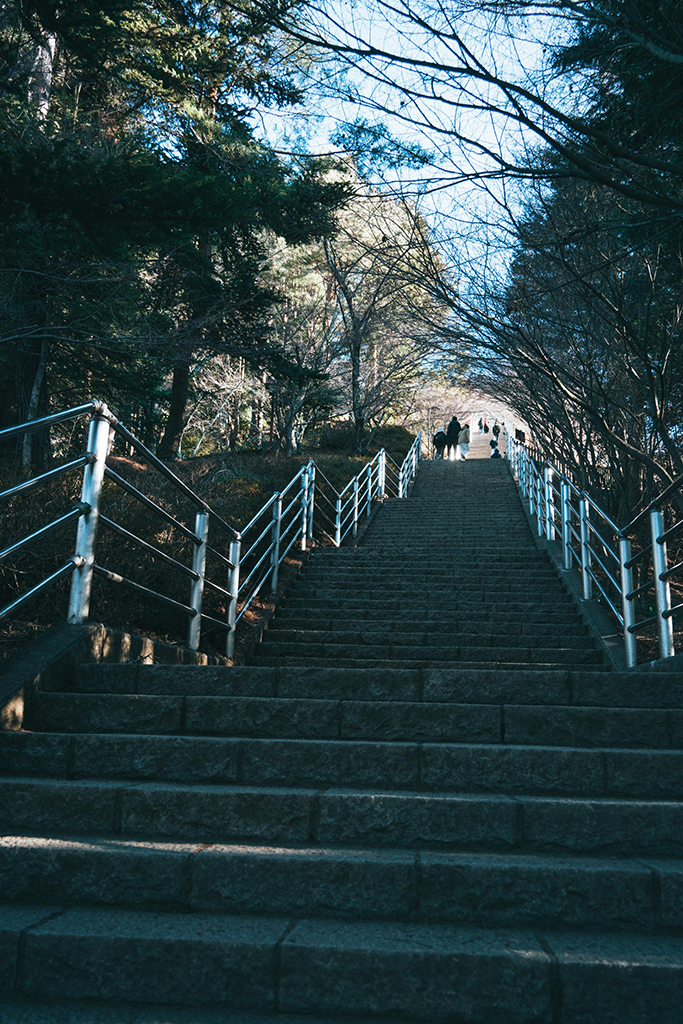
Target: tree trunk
(31, 391)
(168, 446)
(40, 78)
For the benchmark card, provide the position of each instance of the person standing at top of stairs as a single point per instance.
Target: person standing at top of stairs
(452, 434)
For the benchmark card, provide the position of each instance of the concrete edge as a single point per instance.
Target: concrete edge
(52, 656)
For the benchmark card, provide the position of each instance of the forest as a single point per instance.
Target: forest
(228, 283)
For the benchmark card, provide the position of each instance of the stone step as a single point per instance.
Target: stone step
(426, 767)
(275, 653)
(495, 890)
(423, 607)
(415, 639)
(306, 718)
(379, 819)
(446, 624)
(32, 1011)
(590, 687)
(426, 972)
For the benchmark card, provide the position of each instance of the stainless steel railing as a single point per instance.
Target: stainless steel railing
(636, 588)
(247, 560)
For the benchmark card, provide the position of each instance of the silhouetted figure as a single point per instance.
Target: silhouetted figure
(452, 433)
(440, 440)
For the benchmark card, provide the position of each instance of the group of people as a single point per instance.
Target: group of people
(456, 438)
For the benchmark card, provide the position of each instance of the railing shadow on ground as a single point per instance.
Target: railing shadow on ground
(308, 509)
(628, 566)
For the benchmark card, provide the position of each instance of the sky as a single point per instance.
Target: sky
(433, 105)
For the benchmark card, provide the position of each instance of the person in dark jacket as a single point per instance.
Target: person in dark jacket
(440, 440)
(452, 433)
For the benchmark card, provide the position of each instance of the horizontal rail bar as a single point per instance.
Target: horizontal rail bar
(75, 513)
(601, 513)
(645, 622)
(150, 548)
(672, 611)
(637, 557)
(266, 530)
(674, 486)
(216, 622)
(255, 568)
(46, 584)
(639, 590)
(52, 474)
(114, 577)
(605, 595)
(47, 421)
(258, 515)
(291, 483)
(604, 567)
(290, 524)
(671, 572)
(667, 535)
(221, 557)
(152, 505)
(171, 476)
(216, 589)
(296, 500)
(606, 545)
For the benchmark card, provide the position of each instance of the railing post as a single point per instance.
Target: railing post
(275, 542)
(627, 606)
(584, 515)
(355, 505)
(311, 498)
(304, 507)
(419, 446)
(565, 512)
(194, 626)
(337, 522)
(368, 508)
(539, 504)
(233, 590)
(662, 589)
(549, 503)
(382, 471)
(91, 491)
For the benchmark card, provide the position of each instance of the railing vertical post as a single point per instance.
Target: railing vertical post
(539, 504)
(549, 503)
(382, 470)
(355, 505)
(233, 590)
(91, 491)
(194, 626)
(368, 508)
(304, 507)
(337, 522)
(584, 515)
(627, 606)
(662, 590)
(275, 542)
(565, 512)
(419, 447)
(311, 498)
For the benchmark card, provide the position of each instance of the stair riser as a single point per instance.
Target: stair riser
(359, 720)
(206, 814)
(431, 887)
(405, 766)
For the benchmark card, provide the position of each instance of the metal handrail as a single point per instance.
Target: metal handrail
(536, 482)
(280, 525)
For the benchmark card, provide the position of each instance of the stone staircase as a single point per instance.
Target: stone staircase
(427, 798)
